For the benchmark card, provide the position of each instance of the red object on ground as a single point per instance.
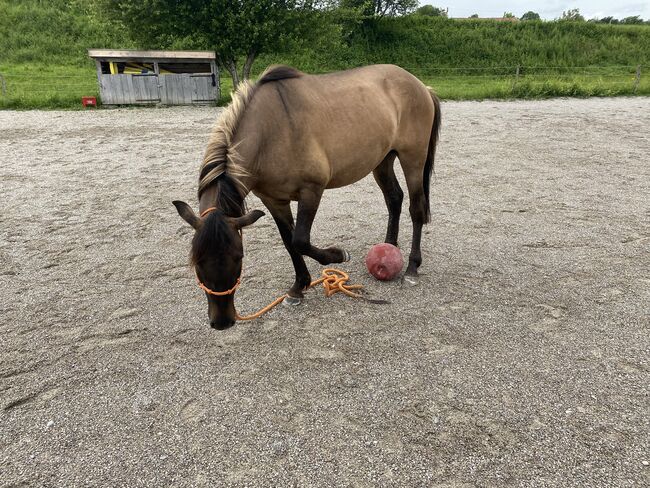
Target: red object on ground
(384, 261)
(89, 101)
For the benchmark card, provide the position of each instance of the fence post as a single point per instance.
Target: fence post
(514, 83)
(637, 78)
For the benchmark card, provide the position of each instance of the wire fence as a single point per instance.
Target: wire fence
(522, 71)
(448, 81)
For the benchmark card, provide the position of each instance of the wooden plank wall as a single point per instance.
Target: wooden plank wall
(171, 89)
(146, 89)
(202, 89)
(116, 89)
(185, 89)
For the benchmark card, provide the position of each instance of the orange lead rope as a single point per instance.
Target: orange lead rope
(333, 280)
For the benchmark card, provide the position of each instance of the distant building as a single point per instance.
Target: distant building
(151, 77)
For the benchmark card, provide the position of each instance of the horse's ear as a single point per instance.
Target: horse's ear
(248, 219)
(187, 214)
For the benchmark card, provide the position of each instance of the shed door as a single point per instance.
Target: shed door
(146, 87)
(204, 87)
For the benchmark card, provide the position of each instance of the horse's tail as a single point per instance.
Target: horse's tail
(431, 153)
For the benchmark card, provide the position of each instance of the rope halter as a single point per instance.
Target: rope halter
(218, 293)
(207, 211)
(205, 288)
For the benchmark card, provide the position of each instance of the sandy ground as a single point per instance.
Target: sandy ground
(522, 358)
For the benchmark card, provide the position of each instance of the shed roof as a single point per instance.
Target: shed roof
(129, 55)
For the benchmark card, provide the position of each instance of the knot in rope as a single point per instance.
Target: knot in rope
(333, 280)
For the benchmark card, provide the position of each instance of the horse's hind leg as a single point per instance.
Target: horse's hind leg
(281, 212)
(412, 166)
(393, 195)
(308, 202)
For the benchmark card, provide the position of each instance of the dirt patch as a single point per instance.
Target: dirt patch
(520, 360)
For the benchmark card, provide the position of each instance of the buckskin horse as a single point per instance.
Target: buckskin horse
(290, 136)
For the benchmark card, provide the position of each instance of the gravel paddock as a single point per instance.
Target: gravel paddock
(521, 359)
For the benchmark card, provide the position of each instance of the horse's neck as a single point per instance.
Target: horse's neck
(213, 197)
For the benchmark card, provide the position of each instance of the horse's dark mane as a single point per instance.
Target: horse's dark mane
(279, 72)
(221, 157)
(214, 234)
(219, 172)
(230, 196)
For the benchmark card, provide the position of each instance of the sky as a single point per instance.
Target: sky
(547, 10)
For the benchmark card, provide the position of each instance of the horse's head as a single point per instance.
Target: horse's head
(216, 255)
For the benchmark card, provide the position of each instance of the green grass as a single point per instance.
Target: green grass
(61, 87)
(32, 86)
(534, 86)
(57, 32)
(439, 42)
(465, 87)
(44, 63)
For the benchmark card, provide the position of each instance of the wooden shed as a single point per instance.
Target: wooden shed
(150, 77)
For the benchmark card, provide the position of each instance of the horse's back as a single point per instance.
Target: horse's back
(357, 93)
(359, 96)
(338, 126)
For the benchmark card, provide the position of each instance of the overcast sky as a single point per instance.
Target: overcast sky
(547, 10)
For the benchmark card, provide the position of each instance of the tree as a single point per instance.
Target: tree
(233, 29)
(508, 15)
(606, 20)
(530, 15)
(573, 15)
(473, 16)
(636, 19)
(380, 8)
(431, 11)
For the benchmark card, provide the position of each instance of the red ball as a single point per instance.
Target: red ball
(384, 261)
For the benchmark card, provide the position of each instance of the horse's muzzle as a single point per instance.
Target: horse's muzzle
(222, 324)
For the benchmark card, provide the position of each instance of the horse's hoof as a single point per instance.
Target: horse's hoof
(346, 256)
(411, 280)
(291, 301)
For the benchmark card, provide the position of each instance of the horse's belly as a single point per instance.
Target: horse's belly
(356, 164)
(350, 175)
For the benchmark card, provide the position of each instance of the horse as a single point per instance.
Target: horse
(289, 137)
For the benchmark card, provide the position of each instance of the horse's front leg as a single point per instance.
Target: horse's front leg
(308, 202)
(281, 212)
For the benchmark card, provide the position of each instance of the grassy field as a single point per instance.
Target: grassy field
(61, 87)
(536, 85)
(43, 60)
(34, 86)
